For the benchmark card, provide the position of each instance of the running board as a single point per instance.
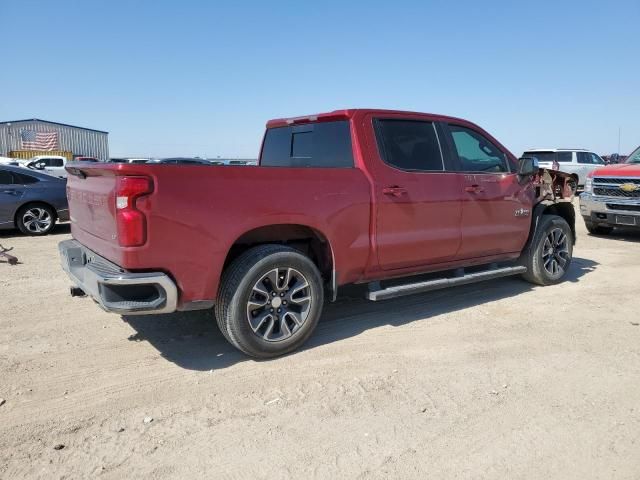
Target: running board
(411, 288)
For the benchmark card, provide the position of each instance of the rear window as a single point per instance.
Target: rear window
(326, 144)
(560, 157)
(564, 157)
(541, 156)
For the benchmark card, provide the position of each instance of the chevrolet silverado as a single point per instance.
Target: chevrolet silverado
(350, 196)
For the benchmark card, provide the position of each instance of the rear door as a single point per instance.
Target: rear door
(10, 194)
(496, 207)
(418, 200)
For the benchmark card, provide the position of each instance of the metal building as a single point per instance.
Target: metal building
(27, 138)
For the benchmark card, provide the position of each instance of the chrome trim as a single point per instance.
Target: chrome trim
(590, 203)
(90, 277)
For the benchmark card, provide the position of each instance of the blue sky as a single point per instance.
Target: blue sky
(202, 78)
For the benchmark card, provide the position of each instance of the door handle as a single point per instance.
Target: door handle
(474, 189)
(10, 192)
(394, 191)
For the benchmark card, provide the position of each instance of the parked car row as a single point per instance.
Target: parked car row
(185, 161)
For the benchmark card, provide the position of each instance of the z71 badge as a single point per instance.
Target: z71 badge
(522, 212)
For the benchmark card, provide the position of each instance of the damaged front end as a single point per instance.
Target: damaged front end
(553, 186)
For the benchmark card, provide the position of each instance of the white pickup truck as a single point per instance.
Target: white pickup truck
(49, 164)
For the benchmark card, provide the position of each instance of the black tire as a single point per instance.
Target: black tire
(36, 219)
(542, 254)
(598, 229)
(243, 281)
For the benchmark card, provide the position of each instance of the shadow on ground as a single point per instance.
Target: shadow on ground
(59, 229)
(192, 340)
(622, 234)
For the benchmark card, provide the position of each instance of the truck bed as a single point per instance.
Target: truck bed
(196, 213)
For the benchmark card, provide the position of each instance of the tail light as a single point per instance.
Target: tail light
(131, 220)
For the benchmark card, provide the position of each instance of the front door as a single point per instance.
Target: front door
(496, 206)
(417, 200)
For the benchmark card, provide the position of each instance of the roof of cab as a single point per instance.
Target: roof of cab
(346, 114)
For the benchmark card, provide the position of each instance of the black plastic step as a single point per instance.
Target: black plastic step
(439, 283)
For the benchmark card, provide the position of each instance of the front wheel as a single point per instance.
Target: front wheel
(270, 301)
(550, 253)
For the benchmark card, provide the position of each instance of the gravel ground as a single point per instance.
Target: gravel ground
(496, 380)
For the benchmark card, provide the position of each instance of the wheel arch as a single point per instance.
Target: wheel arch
(561, 209)
(33, 202)
(307, 239)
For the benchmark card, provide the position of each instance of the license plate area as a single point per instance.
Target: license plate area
(625, 220)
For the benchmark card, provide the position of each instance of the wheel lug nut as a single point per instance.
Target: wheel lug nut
(273, 294)
(271, 310)
(284, 302)
(279, 310)
(282, 294)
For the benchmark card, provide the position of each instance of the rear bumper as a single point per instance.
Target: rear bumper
(115, 289)
(609, 211)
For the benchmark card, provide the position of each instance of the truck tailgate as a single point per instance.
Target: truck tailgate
(92, 205)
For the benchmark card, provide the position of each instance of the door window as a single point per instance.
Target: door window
(6, 178)
(54, 162)
(409, 145)
(589, 158)
(476, 153)
(565, 157)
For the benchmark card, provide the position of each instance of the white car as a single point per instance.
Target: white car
(576, 161)
(50, 164)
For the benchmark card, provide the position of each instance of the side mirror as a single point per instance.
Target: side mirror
(40, 165)
(527, 166)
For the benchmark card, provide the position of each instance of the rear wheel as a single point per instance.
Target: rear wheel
(36, 219)
(270, 301)
(598, 229)
(551, 251)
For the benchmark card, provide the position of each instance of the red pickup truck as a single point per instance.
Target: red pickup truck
(350, 196)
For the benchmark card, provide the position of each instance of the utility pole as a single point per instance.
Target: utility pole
(619, 134)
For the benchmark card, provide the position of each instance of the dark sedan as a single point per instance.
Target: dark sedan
(31, 201)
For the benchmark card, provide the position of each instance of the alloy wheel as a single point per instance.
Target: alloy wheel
(37, 220)
(555, 252)
(279, 304)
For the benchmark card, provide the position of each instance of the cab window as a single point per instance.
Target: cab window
(476, 153)
(409, 145)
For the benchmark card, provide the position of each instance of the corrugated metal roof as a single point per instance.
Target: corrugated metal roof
(54, 123)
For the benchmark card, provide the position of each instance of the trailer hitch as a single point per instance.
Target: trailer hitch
(10, 258)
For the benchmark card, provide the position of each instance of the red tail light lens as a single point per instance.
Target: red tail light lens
(130, 218)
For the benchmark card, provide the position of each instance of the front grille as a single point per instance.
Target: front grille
(628, 208)
(616, 181)
(615, 192)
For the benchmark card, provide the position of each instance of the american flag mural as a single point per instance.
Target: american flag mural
(32, 140)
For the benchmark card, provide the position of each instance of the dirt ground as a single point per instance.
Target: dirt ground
(496, 380)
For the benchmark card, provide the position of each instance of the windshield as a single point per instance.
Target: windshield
(634, 157)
